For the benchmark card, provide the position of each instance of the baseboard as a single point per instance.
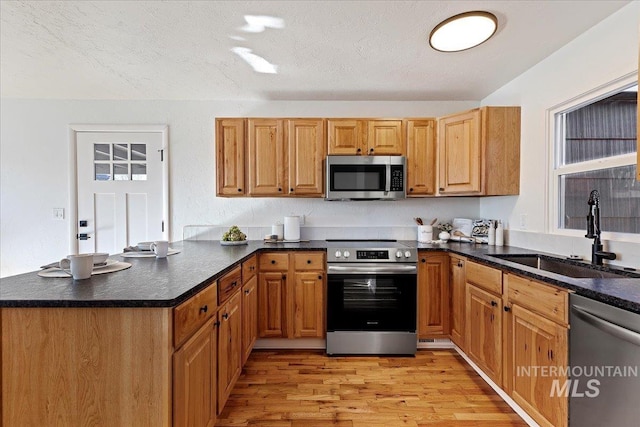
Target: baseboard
(521, 412)
(287, 344)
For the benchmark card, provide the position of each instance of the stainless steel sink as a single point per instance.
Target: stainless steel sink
(565, 268)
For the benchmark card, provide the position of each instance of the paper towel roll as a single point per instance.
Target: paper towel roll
(292, 228)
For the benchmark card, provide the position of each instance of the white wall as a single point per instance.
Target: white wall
(35, 178)
(601, 55)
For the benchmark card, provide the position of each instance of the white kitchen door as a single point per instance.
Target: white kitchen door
(121, 194)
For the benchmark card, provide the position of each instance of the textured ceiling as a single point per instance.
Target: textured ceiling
(323, 50)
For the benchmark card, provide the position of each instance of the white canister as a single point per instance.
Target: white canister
(425, 233)
(292, 228)
(278, 230)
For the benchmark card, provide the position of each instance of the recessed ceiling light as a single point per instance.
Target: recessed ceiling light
(463, 31)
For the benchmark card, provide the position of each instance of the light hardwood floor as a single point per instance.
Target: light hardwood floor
(307, 388)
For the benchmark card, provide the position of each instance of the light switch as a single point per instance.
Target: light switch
(58, 214)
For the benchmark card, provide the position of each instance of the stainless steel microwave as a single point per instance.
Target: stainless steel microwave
(365, 177)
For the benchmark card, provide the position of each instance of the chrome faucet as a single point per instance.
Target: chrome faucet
(593, 230)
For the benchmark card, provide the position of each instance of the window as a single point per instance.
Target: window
(120, 162)
(595, 149)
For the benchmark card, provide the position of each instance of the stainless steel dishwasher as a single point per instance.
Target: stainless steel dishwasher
(604, 357)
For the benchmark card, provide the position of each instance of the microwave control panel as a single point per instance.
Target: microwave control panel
(397, 178)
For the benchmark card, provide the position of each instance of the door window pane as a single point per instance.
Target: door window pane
(120, 152)
(101, 152)
(138, 172)
(138, 152)
(120, 172)
(102, 171)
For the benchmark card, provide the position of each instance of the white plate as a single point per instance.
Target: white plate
(238, 243)
(108, 263)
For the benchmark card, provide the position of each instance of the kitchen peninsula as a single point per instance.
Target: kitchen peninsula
(105, 348)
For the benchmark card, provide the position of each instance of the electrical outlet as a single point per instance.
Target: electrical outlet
(301, 219)
(58, 214)
(523, 221)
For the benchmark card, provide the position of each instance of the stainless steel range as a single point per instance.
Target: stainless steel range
(371, 297)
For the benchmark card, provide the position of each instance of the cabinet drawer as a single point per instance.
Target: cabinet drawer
(548, 301)
(193, 313)
(229, 283)
(274, 261)
(484, 277)
(308, 261)
(249, 268)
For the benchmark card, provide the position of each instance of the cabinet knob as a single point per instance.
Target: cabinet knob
(507, 309)
(284, 277)
(423, 260)
(493, 303)
(371, 150)
(279, 189)
(234, 284)
(240, 189)
(460, 264)
(247, 291)
(273, 261)
(308, 261)
(225, 316)
(291, 190)
(411, 189)
(319, 277)
(204, 309)
(216, 323)
(358, 150)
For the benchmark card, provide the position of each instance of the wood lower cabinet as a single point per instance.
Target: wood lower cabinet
(308, 311)
(433, 294)
(249, 316)
(421, 157)
(291, 295)
(457, 281)
(229, 347)
(272, 314)
(230, 157)
(479, 152)
(536, 339)
(194, 379)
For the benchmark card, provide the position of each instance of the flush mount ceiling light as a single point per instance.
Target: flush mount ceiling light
(463, 31)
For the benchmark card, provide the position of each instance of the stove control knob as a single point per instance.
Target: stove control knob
(338, 254)
(399, 254)
(347, 254)
(407, 254)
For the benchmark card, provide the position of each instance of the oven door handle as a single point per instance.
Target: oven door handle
(387, 184)
(392, 269)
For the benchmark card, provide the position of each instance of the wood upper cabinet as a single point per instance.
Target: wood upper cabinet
(266, 157)
(457, 294)
(385, 137)
(229, 347)
(194, 379)
(347, 136)
(249, 316)
(306, 145)
(230, 157)
(421, 157)
(536, 337)
(433, 294)
(479, 152)
(365, 136)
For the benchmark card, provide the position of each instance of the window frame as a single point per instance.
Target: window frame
(555, 127)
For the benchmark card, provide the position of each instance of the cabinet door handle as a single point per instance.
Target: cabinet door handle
(225, 316)
(507, 309)
(234, 284)
(247, 291)
(493, 303)
(204, 309)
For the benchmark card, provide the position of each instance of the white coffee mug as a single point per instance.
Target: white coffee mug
(160, 248)
(425, 233)
(79, 266)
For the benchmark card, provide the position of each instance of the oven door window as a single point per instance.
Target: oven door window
(357, 178)
(371, 303)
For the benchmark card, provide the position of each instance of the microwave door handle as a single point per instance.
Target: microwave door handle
(387, 184)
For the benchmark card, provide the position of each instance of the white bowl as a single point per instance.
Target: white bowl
(100, 257)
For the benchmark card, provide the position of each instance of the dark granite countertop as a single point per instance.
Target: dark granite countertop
(152, 282)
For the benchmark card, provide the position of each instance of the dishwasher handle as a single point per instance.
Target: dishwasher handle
(605, 326)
